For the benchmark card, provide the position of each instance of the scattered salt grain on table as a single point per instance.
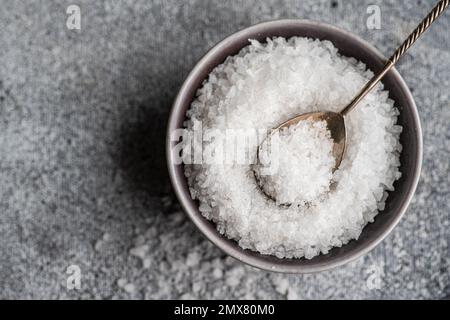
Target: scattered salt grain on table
(264, 85)
(128, 287)
(139, 251)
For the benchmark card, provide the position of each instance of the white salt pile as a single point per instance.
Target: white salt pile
(299, 163)
(263, 86)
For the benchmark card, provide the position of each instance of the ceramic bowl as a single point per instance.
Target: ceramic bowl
(411, 140)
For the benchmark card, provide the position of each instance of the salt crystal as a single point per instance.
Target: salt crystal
(292, 294)
(146, 263)
(232, 281)
(140, 251)
(130, 288)
(193, 259)
(121, 282)
(217, 273)
(282, 285)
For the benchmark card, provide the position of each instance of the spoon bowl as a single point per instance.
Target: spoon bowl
(335, 124)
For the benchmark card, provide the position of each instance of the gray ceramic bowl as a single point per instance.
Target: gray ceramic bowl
(411, 139)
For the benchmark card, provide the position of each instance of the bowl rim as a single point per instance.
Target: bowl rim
(201, 222)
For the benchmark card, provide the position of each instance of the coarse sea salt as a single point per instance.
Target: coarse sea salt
(264, 85)
(298, 163)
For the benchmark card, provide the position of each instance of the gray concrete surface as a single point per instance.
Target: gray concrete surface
(82, 173)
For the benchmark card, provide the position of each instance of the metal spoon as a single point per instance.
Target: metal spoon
(336, 120)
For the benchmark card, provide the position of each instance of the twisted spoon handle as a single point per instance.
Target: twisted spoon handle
(421, 28)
